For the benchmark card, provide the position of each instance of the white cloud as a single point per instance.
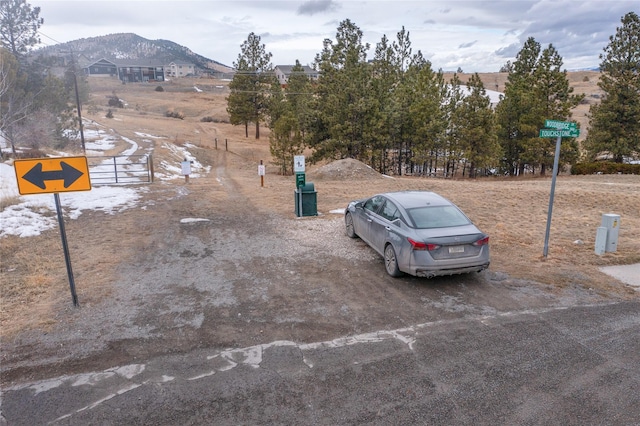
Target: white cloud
(292, 30)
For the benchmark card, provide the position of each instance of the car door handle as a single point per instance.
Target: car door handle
(387, 228)
(369, 220)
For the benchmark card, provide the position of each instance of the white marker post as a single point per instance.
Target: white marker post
(186, 170)
(298, 169)
(261, 173)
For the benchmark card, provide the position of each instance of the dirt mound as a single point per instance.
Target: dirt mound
(347, 168)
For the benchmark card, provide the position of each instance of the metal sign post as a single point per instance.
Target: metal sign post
(558, 130)
(65, 248)
(553, 188)
(55, 175)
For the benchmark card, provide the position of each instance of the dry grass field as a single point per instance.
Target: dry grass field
(512, 211)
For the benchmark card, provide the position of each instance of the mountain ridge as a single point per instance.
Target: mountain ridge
(132, 46)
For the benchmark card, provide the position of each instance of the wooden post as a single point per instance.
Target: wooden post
(261, 172)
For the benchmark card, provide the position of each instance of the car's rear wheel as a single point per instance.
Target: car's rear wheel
(348, 223)
(391, 262)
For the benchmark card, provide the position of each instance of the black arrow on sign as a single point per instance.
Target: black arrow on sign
(37, 177)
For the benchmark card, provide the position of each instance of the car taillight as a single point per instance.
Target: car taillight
(419, 245)
(482, 241)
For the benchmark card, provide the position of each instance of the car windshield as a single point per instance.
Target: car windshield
(437, 217)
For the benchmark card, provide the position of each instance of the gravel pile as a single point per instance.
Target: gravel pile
(347, 168)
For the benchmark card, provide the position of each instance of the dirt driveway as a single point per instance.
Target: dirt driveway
(222, 262)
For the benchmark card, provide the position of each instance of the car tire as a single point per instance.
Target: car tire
(348, 223)
(391, 261)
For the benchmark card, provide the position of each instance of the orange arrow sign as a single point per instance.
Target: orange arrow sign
(46, 175)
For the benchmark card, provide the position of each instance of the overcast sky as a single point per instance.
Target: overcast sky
(477, 36)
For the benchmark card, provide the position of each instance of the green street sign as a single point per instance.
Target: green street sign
(561, 125)
(554, 133)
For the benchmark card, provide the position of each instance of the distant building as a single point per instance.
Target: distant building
(140, 71)
(100, 68)
(180, 69)
(283, 72)
(136, 70)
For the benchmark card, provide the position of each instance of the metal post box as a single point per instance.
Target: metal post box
(612, 223)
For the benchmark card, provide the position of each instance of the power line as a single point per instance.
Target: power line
(50, 38)
(269, 92)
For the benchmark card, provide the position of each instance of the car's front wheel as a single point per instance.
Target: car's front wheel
(391, 261)
(348, 223)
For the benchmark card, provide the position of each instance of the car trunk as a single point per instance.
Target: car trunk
(454, 243)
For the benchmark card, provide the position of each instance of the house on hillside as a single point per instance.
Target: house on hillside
(100, 68)
(136, 70)
(180, 69)
(140, 70)
(126, 70)
(284, 71)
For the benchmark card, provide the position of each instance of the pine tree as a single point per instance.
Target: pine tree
(536, 89)
(384, 78)
(248, 101)
(19, 25)
(477, 127)
(454, 151)
(289, 114)
(615, 122)
(425, 92)
(240, 100)
(390, 125)
(513, 111)
(344, 103)
(554, 99)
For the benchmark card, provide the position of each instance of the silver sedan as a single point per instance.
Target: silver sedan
(419, 233)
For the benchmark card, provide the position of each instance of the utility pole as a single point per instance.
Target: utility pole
(78, 106)
(75, 84)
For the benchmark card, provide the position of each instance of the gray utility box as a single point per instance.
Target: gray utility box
(308, 196)
(607, 234)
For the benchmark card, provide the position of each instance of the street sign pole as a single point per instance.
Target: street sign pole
(559, 129)
(553, 188)
(55, 175)
(65, 247)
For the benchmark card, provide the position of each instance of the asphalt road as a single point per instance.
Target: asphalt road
(558, 365)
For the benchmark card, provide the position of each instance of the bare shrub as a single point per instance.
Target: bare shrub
(115, 101)
(210, 119)
(37, 130)
(174, 114)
